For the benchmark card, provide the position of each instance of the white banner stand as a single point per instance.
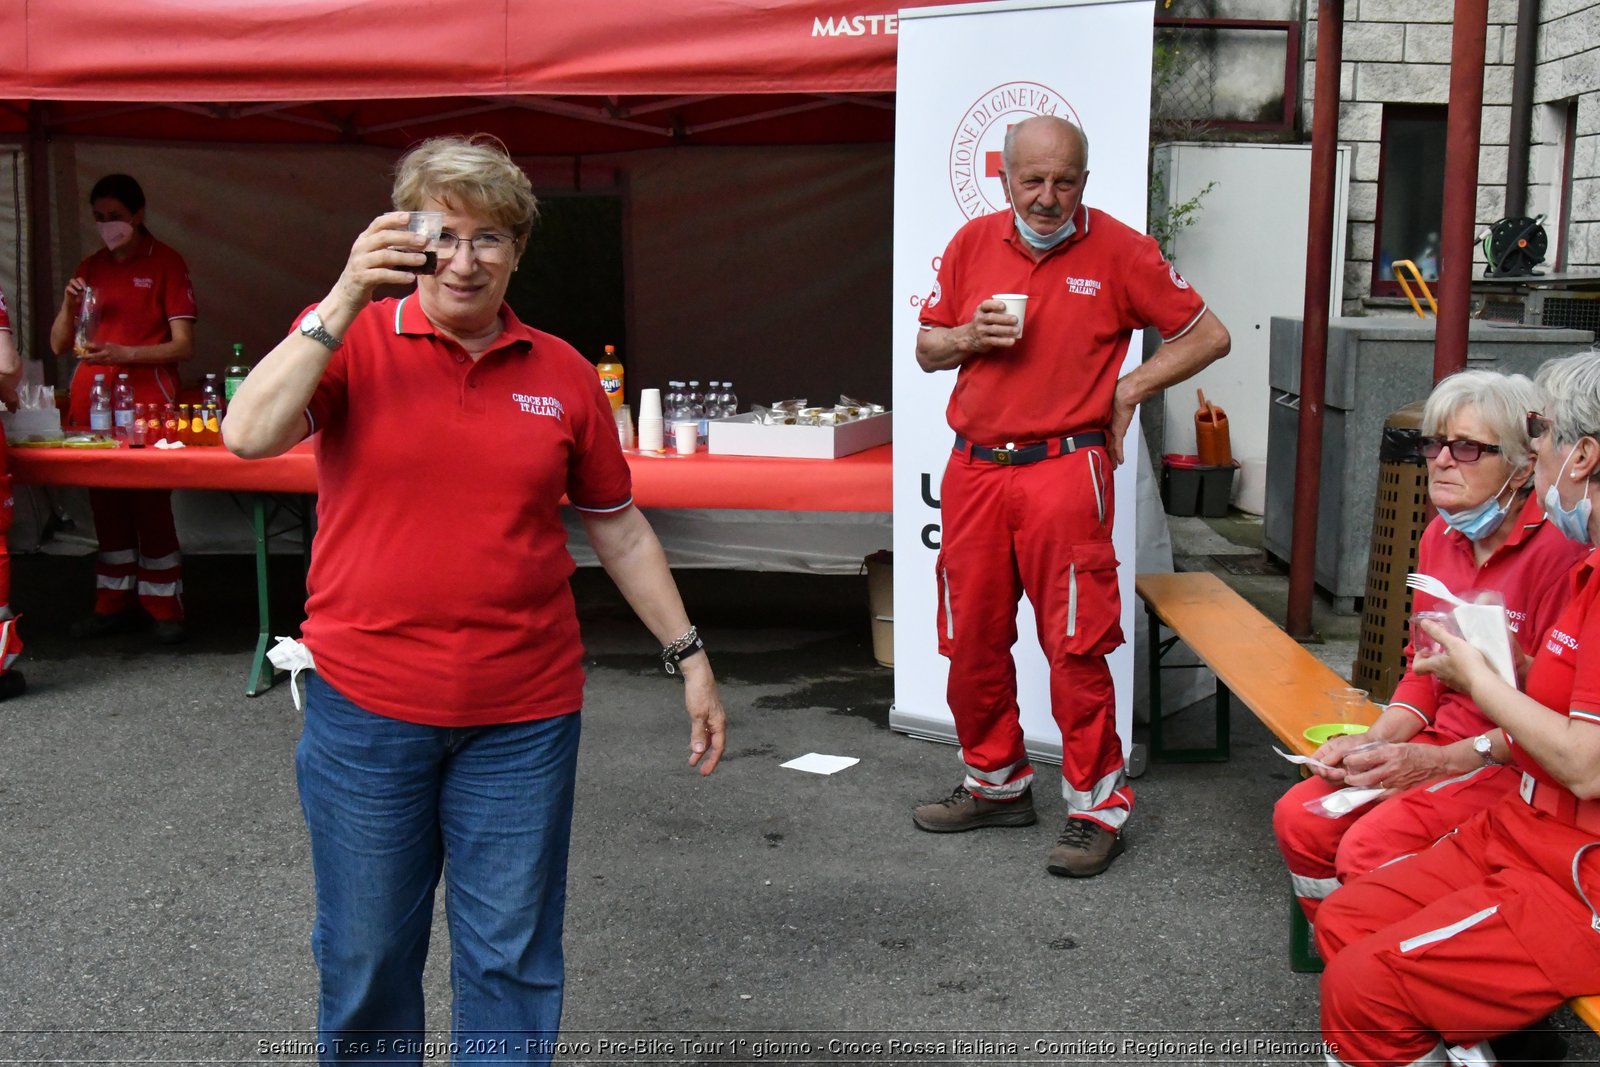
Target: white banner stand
(965, 73)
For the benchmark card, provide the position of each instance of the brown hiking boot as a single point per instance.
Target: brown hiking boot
(1084, 849)
(963, 811)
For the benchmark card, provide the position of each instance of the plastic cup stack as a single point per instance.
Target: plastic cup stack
(652, 428)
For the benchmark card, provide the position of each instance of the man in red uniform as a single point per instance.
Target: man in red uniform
(143, 327)
(1026, 499)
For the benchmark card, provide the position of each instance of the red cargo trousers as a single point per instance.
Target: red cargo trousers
(1043, 529)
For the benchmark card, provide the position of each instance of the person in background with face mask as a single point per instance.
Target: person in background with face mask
(1440, 758)
(1026, 500)
(146, 314)
(1495, 925)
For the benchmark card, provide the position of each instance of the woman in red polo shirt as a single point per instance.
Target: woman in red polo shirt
(1494, 926)
(441, 723)
(146, 312)
(1444, 761)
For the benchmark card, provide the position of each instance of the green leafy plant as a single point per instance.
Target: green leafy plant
(1169, 220)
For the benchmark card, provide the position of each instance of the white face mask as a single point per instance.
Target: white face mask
(115, 234)
(1041, 241)
(1573, 522)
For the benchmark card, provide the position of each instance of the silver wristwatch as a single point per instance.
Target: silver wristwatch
(312, 327)
(1485, 750)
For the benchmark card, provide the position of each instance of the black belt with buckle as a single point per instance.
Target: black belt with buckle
(1011, 455)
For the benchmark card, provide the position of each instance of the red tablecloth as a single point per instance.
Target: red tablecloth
(855, 483)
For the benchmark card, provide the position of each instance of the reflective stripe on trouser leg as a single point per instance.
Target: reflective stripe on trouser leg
(117, 561)
(160, 561)
(1309, 843)
(1007, 783)
(981, 590)
(1064, 511)
(10, 644)
(1480, 935)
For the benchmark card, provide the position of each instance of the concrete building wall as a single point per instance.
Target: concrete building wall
(1398, 52)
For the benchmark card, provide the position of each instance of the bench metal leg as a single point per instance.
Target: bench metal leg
(1303, 958)
(262, 673)
(1159, 752)
(1153, 667)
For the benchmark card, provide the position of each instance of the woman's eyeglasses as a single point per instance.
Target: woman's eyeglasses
(486, 247)
(1462, 449)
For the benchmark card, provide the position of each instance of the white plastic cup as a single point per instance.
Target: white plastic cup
(652, 435)
(649, 405)
(1016, 304)
(686, 437)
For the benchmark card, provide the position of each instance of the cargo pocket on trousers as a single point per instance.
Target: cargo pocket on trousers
(1093, 618)
(944, 618)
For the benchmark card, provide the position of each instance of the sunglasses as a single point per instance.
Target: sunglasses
(1538, 426)
(1462, 449)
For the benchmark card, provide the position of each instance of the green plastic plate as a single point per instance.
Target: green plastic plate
(1322, 733)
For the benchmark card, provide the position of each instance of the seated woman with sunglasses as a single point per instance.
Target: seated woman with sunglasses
(1440, 759)
(1496, 925)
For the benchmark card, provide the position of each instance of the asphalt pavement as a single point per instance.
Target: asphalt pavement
(156, 894)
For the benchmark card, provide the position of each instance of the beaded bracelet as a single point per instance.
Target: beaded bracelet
(687, 645)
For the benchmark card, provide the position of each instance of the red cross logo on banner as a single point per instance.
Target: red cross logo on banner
(976, 150)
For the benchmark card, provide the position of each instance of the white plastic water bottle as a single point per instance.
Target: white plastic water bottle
(122, 410)
(730, 401)
(99, 405)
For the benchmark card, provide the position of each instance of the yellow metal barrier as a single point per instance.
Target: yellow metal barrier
(1417, 277)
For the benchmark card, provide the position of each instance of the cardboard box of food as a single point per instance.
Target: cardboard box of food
(743, 435)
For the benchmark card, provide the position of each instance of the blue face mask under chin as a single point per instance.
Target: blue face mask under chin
(1476, 523)
(1040, 241)
(1573, 524)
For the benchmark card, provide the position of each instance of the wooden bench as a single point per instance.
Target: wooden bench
(1271, 673)
(1255, 662)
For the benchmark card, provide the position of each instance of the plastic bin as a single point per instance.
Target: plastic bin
(1189, 487)
(880, 604)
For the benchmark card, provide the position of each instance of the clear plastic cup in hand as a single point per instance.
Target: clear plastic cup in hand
(88, 323)
(428, 225)
(1424, 643)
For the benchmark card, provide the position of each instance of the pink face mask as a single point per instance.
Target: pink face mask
(115, 234)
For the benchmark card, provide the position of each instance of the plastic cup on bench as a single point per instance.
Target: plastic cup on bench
(1347, 707)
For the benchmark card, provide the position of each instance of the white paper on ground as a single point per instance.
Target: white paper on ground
(1307, 760)
(817, 763)
(1485, 628)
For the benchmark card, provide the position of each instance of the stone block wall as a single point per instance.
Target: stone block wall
(1398, 52)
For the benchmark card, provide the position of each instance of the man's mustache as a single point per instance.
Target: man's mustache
(1053, 212)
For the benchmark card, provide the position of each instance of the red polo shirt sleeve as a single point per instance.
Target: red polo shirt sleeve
(177, 290)
(598, 479)
(1584, 702)
(1156, 295)
(939, 307)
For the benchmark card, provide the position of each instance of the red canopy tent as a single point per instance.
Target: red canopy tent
(602, 75)
(550, 79)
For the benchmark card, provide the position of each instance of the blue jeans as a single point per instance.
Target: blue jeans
(391, 805)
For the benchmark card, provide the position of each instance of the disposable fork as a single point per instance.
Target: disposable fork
(1427, 583)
